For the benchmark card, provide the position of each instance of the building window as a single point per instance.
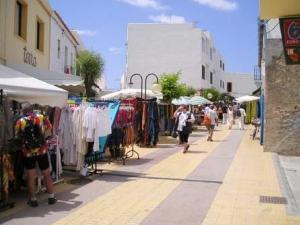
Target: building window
(58, 48)
(221, 63)
(203, 72)
(203, 44)
(211, 78)
(66, 60)
(223, 66)
(229, 87)
(211, 54)
(40, 34)
(71, 64)
(21, 19)
(221, 83)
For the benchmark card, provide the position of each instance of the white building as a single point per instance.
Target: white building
(237, 84)
(169, 48)
(63, 46)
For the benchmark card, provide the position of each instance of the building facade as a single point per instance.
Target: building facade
(63, 46)
(237, 84)
(25, 32)
(169, 48)
(280, 90)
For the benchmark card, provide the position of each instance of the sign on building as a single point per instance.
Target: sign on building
(290, 30)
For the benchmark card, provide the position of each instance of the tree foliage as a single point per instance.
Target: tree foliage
(215, 94)
(171, 88)
(226, 97)
(190, 91)
(90, 66)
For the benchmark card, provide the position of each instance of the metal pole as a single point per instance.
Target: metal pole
(150, 74)
(139, 75)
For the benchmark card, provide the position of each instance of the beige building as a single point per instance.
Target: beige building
(25, 33)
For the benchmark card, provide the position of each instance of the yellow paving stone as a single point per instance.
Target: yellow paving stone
(251, 175)
(131, 202)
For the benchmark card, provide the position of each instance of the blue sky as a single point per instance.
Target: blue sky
(103, 24)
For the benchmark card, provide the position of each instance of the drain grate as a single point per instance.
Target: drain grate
(272, 200)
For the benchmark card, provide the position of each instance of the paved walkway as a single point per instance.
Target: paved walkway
(214, 183)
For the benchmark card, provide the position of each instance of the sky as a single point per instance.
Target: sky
(102, 25)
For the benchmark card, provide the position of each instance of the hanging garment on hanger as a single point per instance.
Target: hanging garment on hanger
(66, 137)
(103, 126)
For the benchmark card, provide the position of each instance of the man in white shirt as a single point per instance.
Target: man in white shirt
(213, 116)
(185, 121)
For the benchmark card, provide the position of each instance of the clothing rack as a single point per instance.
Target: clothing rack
(3, 203)
(96, 156)
(132, 151)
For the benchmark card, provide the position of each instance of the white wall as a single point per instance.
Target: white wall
(59, 33)
(242, 84)
(168, 48)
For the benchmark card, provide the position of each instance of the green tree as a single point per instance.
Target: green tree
(90, 66)
(212, 94)
(190, 91)
(171, 88)
(226, 97)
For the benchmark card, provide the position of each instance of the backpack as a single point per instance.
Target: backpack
(238, 113)
(207, 120)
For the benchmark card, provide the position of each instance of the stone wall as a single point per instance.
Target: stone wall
(282, 115)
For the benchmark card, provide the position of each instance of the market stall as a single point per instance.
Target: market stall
(17, 88)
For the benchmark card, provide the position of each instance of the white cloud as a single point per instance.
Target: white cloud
(167, 19)
(145, 4)
(89, 33)
(219, 4)
(115, 50)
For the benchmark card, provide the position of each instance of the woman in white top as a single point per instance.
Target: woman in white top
(185, 120)
(230, 117)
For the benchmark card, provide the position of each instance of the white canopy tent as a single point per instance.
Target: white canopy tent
(125, 93)
(247, 98)
(71, 83)
(23, 88)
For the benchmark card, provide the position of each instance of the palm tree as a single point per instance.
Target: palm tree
(91, 66)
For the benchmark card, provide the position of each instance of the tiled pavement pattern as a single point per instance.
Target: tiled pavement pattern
(131, 202)
(251, 175)
(168, 187)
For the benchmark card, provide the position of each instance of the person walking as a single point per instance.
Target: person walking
(230, 117)
(224, 110)
(213, 117)
(184, 128)
(242, 115)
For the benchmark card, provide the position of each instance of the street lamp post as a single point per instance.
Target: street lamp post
(131, 83)
(150, 74)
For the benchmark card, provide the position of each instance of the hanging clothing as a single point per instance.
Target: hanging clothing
(103, 126)
(66, 136)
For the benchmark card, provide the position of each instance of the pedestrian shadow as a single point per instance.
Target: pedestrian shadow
(196, 152)
(65, 203)
(219, 140)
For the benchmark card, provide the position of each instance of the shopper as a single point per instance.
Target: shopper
(224, 111)
(30, 129)
(230, 117)
(184, 128)
(213, 117)
(242, 115)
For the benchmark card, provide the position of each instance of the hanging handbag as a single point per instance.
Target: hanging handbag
(174, 133)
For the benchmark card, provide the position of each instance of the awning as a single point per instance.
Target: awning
(68, 82)
(278, 8)
(131, 92)
(247, 98)
(23, 88)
